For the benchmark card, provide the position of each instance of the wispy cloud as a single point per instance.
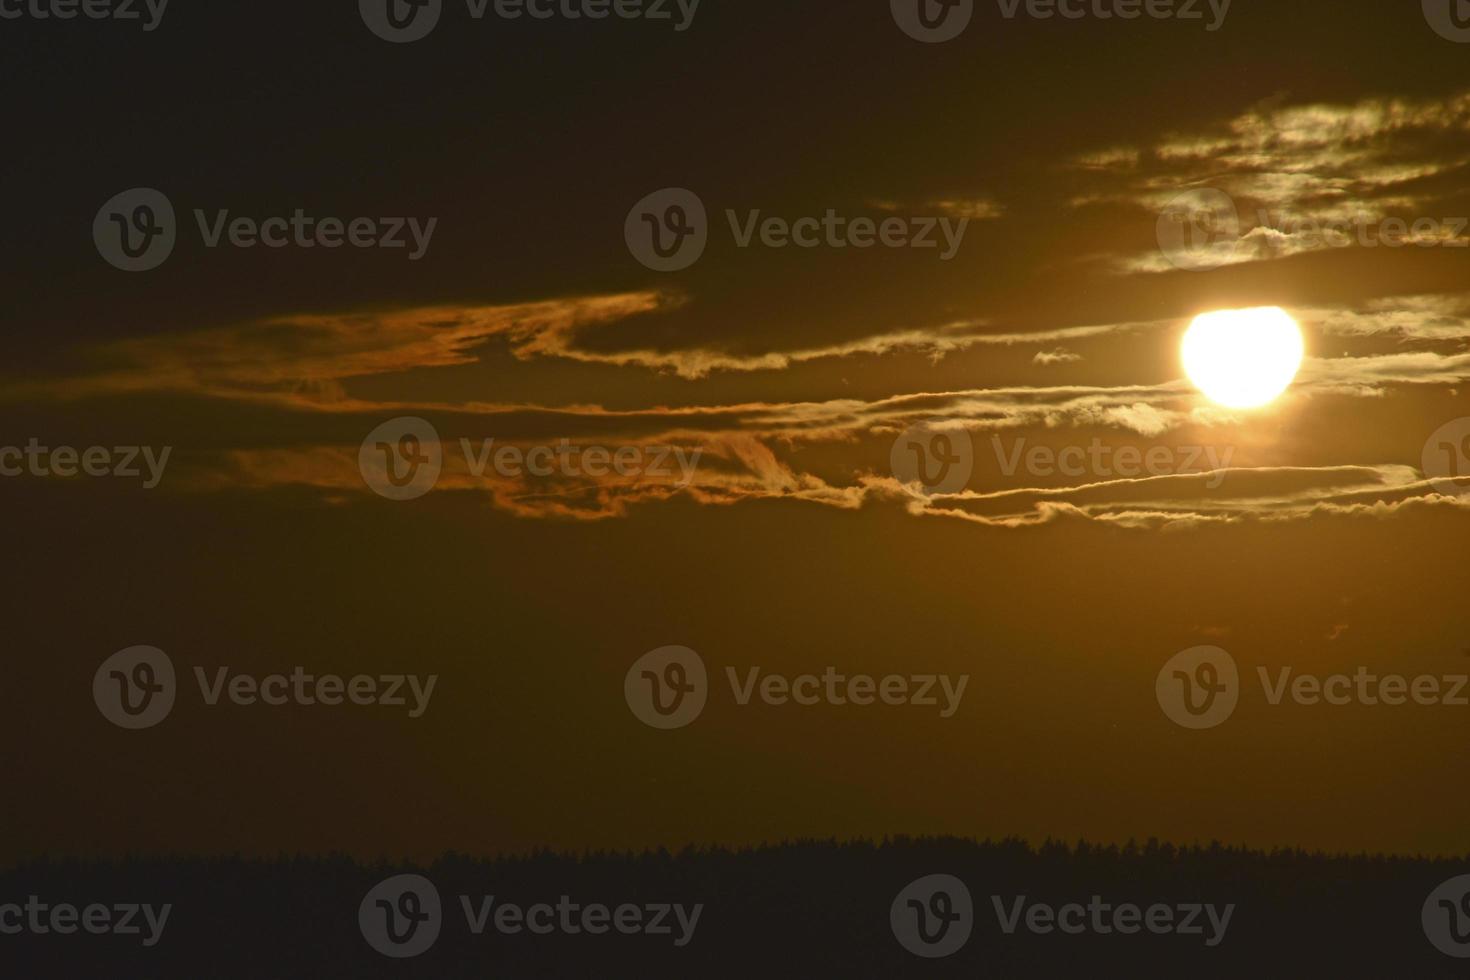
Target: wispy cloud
(1301, 174)
(823, 451)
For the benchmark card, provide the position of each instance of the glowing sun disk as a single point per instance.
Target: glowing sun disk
(1243, 358)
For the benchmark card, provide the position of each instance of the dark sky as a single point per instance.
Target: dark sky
(796, 545)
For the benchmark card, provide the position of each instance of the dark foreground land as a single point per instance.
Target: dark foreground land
(799, 910)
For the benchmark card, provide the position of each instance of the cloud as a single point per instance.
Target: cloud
(1181, 501)
(1370, 375)
(1430, 317)
(1304, 178)
(974, 208)
(304, 359)
(822, 451)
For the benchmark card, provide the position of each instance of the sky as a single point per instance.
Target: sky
(1103, 515)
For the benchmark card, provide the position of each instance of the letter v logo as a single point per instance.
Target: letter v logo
(401, 21)
(933, 21)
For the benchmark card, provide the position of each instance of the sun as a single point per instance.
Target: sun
(1243, 358)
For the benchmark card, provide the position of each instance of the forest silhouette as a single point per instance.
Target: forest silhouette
(803, 909)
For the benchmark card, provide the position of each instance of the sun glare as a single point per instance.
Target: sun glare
(1243, 358)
